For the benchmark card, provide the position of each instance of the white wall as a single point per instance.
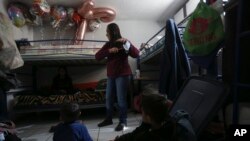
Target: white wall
(191, 5)
(136, 31)
(179, 16)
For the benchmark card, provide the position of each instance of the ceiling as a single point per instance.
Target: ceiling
(154, 10)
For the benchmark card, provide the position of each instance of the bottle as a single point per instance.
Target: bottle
(2, 138)
(137, 73)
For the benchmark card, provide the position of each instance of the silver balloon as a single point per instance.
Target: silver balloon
(94, 25)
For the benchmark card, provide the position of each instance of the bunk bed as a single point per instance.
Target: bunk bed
(59, 51)
(55, 53)
(150, 52)
(151, 49)
(163, 60)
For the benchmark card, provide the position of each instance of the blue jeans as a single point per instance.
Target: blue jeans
(118, 87)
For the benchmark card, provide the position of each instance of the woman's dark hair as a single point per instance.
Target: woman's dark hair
(70, 112)
(114, 32)
(63, 68)
(155, 106)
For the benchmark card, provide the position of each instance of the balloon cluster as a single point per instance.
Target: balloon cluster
(87, 16)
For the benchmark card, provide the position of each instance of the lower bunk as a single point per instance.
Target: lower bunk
(38, 103)
(48, 100)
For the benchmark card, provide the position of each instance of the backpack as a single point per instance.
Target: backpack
(184, 130)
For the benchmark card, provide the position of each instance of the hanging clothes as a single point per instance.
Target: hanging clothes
(174, 63)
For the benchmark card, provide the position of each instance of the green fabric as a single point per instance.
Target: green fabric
(102, 84)
(204, 31)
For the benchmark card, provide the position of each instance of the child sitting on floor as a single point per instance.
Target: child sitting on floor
(156, 125)
(71, 128)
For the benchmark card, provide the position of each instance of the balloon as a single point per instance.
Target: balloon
(104, 14)
(70, 12)
(40, 7)
(58, 14)
(94, 25)
(16, 16)
(85, 9)
(76, 18)
(80, 33)
(38, 21)
(29, 18)
(70, 20)
(88, 12)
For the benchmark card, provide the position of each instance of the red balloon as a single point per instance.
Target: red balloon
(76, 18)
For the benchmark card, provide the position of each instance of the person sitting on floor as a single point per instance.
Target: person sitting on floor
(71, 128)
(157, 125)
(62, 82)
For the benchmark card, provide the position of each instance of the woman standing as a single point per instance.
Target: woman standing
(117, 50)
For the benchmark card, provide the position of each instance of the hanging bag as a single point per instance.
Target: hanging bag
(10, 57)
(204, 31)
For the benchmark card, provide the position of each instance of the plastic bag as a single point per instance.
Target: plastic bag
(204, 31)
(10, 57)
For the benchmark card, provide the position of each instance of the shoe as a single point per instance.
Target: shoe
(105, 122)
(120, 127)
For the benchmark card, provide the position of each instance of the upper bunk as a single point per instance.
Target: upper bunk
(150, 51)
(59, 51)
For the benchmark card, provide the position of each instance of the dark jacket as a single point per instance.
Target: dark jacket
(145, 133)
(174, 63)
(62, 84)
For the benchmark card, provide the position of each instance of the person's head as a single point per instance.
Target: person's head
(113, 32)
(70, 112)
(154, 108)
(62, 71)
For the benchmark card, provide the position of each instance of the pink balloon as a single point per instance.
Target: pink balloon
(104, 14)
(80, 32)
(88, 12)
(85, 9)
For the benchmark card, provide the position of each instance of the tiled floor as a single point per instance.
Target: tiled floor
(35, 127)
